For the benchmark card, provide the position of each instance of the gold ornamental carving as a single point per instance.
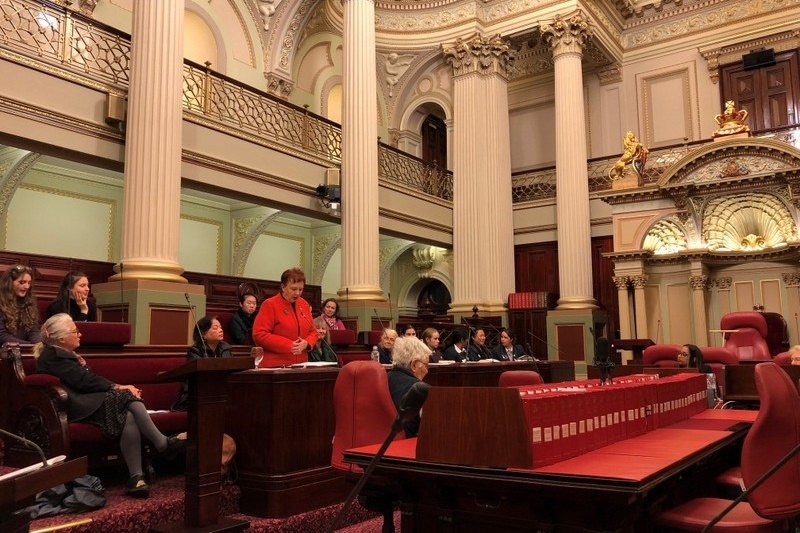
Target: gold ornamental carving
(732, 123)
(481, 55)
(627, 171)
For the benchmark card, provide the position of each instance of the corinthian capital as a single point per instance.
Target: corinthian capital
(480, 55)
(567, 34)
(698, 283)
(791, 280)
(639, 282)
(622, 282)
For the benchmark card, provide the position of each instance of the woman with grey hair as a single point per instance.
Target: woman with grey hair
(410, 359)
(117, 409)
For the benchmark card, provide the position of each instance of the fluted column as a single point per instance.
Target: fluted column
(483, 231)
(639, 303)
(360, 240)
(699, 285)
(792, 282)
(625, 318)
(151, 192)
(566, 37)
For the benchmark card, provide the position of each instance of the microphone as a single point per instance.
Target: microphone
(469, 340)
(196, 326)
(602, 360)
(121, 296)
(536, 338)
(347, 301)
(383, 327)
(391, 313)
(410, 406)
(31, 444)
(323, 339)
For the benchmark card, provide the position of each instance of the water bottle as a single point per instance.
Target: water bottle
(376, 356)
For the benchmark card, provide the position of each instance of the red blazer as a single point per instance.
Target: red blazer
(278, 325)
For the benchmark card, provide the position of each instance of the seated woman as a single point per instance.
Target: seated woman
(410, 359)
(507, 350)
(73, 299)
(241, 324)
(431, 339)
(117, 409)
(457, 351)
(330, 313)
(386, 345)
(477, 349)
(794, 355)
(19, 317)
(408, 331)
(322, 350)
(208, 341)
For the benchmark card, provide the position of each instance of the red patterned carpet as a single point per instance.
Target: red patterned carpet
(165, 505)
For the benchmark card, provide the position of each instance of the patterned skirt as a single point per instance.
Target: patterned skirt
(110, 417)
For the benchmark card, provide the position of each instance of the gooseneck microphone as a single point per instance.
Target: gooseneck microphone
(323, 339)
(410, 406)
(383, 326)
(121, 294)
(196, 325)
(391, 312)
(31, 444)
(603, 361)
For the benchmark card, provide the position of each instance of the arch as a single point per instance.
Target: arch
(411, 288)
(665, 236)
(246, 232)
(221, 61)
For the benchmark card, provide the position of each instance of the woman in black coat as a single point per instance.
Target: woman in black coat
(73, 299)
(117, 409)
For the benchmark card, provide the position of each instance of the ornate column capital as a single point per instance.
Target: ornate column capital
(622, 282)
(278, 85)
(724, 284)
(638, 282)
(791, 279)
(698, 283)
(481, 55)
(567, 34)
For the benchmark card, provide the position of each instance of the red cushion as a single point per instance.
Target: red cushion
(695, 514)
(665, 355)
(341, 337)
(519, 378)
(104, 333)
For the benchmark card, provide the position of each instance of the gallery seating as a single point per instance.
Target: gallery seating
(749, 340)
(775, 432)
(663, 355)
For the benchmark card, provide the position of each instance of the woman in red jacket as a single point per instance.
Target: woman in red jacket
(284, 327)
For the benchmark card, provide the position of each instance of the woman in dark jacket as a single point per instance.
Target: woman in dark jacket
(241, 325)
(73, 299)
(208, 343)
(117, 409)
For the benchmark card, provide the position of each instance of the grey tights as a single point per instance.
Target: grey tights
(138, 423)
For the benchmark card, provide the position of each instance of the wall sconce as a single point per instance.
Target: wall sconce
(330, 196)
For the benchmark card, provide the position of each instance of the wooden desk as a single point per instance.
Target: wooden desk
(488, 374)
(615, 488)
(740, 384)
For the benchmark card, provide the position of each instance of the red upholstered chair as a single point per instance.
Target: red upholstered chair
(342, 337)
(775, 432)
(717, 358)
(519, 378)
(783, 359)
(364, 414)
(665, 355)
(750, 342)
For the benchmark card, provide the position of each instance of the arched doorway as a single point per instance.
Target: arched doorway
(433, 300)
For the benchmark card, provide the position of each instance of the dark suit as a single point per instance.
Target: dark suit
(452, 355)
(400, 381)
(501, 354)
(86, 391)
(476, 353)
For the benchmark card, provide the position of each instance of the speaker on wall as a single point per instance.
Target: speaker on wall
(761, 58)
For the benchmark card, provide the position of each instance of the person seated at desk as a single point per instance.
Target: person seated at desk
(208, 344)
(283, 327)
(241, 324)
(19, 316)
(322, 350)
(794, 355)
(431, 339)
(408, 331)
(117, 409)
(410, 360)
(330, 312)
(73, 299)
(690, 356)
(477, 349)
(386, 345)
(457, 351)
(507, 350)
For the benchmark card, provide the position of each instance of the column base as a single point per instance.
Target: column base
(158, 311)
(571, 335)
(152, 270)
(469, 309)
(577, 302)
(366, 293)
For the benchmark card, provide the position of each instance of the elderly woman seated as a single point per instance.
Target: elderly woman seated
(410, 359)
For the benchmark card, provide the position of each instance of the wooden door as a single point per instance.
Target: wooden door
(434, 142)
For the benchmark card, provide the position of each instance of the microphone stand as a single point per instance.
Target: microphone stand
(121, 294)
(27, 442)
(196, 325)
(323, 339)
(391, 312)
(383, 327)
(757, 483)
(469, 339)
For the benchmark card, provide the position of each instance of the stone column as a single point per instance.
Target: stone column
(566, 37)
(792, 281)
(151, 190)
(360, 235)
(625, 318)
(699, 285)
(639, 303)
(483, 231)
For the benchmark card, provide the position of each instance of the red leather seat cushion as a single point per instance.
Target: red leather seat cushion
(695, 514)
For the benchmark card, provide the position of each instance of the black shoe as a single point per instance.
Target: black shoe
(137, 487)
(174, 447)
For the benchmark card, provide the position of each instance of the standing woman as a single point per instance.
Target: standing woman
(117, 409)
(330, 312)
(283, 327)
(322, 350)
(19, 317)
(73, 299)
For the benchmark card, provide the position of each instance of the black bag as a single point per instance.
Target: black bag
(77, 496)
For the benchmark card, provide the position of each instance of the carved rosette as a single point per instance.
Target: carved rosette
(698, 283)
(791, 279)
(622, 282)
(724, 284)
(638, 282)
(567, 34)
(481, 55)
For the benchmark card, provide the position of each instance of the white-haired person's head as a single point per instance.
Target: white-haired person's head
(55, 328)
(411, 353)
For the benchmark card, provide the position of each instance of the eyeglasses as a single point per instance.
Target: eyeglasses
(683, 354)
(74, 332)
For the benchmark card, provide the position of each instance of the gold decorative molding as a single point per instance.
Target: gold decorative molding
(218, 226)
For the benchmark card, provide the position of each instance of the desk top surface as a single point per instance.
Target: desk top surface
(632, 464)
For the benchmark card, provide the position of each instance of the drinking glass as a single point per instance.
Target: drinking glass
(258, 353)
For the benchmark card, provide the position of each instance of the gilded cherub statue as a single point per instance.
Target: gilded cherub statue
(633, 154)
(731, 122)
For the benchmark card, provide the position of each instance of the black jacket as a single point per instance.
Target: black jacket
(241, 328)
(85, 389)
